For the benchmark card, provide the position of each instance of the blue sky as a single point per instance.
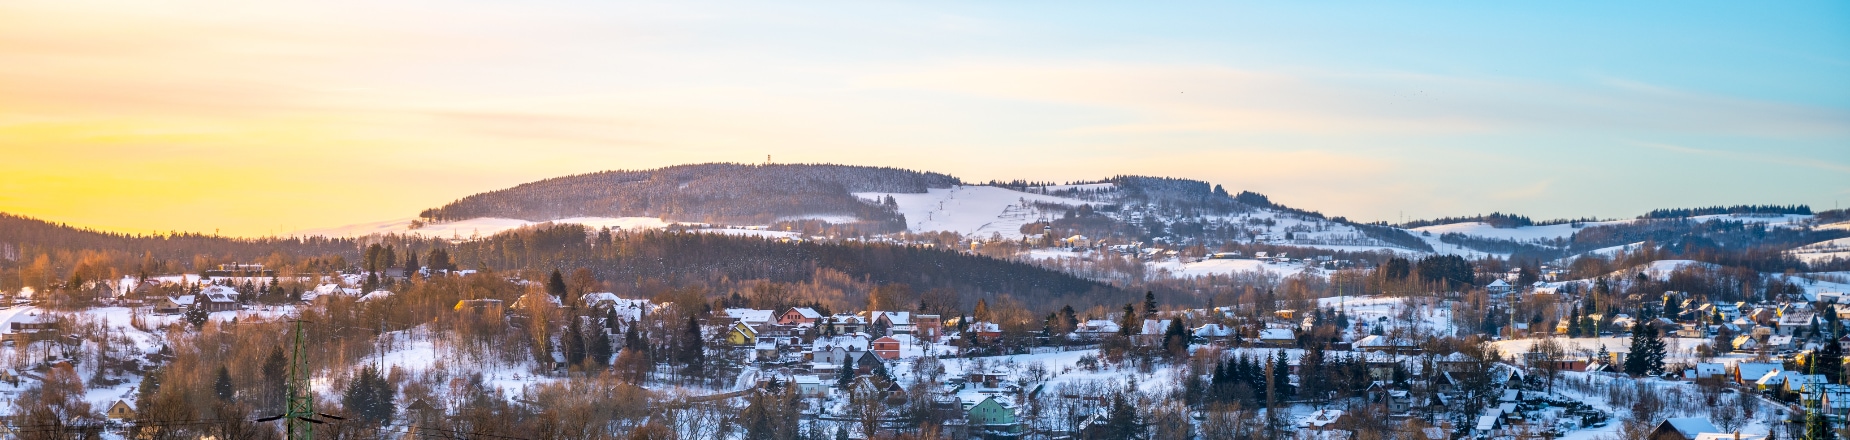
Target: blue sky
(1363, 109)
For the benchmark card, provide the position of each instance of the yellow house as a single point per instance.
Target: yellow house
(742, 334)
(121, 411)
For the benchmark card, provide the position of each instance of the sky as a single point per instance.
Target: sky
(258, 118)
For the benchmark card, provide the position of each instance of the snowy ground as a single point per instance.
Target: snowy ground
(1224, 267)
(1661, 269)
(1430, 315)
(974, 211)
(1823, 250)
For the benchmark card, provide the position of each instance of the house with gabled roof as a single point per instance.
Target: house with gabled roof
(799, 315)
(1682, 428)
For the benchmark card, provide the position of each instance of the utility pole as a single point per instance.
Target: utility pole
(301, 404)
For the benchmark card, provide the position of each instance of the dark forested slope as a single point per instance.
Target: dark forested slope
(677, 258)
(718, 192)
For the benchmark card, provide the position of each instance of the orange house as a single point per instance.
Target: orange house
(886, 347)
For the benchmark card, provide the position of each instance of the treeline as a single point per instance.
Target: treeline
(1497, 245)
(41, 255)
(635, 260)
(1393, 236)
(1683, 232)
(1737, 209)
(23, 233)
(712, 193)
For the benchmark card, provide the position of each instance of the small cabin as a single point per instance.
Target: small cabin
(120, 411)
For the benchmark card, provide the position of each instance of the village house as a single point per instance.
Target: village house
(799, 315)
(32, 327)
(742, 334)
(994, 414)
(1095, 329)
(1152, 331)
(927, 327)
(892, 323)
(1278, 337)
(120, 411)
(1682, 428)
(888, 347)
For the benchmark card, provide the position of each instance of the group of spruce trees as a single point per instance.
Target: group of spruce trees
(1245, 379)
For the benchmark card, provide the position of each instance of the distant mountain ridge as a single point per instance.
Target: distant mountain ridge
(1123, 208)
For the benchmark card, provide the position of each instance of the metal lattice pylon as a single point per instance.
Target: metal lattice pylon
(301, 402)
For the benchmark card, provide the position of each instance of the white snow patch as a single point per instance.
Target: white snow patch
(974, 211)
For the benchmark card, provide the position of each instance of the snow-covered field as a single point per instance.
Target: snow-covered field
(1661, 269)
(1430, 315)
(1224, 267)
(1525, 233)
(1823, 250)
(974, 211)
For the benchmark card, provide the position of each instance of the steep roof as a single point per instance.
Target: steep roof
(1691, 426)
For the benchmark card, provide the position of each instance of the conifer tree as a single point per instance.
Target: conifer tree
(221, 385)
(1130, 315)
(598, 346)
(275, 367)
(573, 341)
(1829, 360)
(150, 384)
(845, 377)
(693, 348)
(1635, 360)
(1149, 305)
(1122, 421)
(1281, 376)
(555, 285)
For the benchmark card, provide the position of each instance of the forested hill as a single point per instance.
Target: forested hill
(717, 192)
(26, 240)
(681, 258)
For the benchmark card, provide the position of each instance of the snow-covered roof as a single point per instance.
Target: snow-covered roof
(895, 318)
(1690, 426)
(750, 316)
(1775, 377)
(1498, 283)
(1098, 326)
(1728, 436)
(1213, 331)
(1155, 326)
(1378, 341)
(807, 313)
(851, 343)
(1276, 334)
(1320, 418)
(376, 295)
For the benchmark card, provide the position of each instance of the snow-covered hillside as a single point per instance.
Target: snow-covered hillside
(1525, 233)
(1823, 251)
(974, 211)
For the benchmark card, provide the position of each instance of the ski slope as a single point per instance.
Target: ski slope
(974, 211)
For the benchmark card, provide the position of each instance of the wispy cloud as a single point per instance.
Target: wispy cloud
(1758, 156)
